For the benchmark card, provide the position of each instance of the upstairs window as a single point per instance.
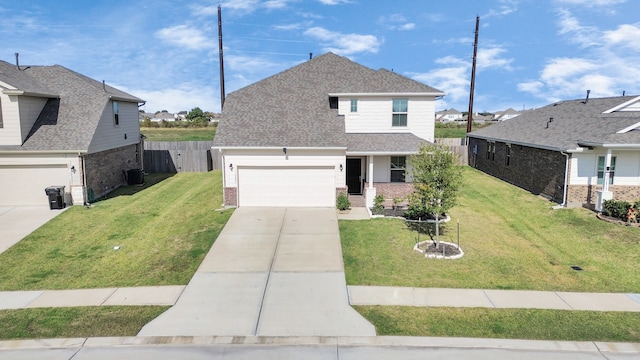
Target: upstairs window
(400, 109)
(354, 105)
(116, 116)
(398, 168)
(601, 169)
(507, 160)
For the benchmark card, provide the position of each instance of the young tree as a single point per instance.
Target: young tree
(437, 177)
(196, 116)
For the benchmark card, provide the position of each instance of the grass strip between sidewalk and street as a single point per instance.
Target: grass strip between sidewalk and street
(161, 232)
(47, 323)
(533, 324)
(511, 240)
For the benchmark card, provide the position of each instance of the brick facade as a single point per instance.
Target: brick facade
(539, 171)
(106, 169)
(586, 194)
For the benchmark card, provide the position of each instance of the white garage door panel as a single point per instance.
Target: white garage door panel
(277, 186)
(24, 185)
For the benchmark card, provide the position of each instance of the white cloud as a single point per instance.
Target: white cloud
(491, 58)
(345, 44)
(531, 86)
(454, 81)
(585, 36)
(335, 2)
(396, 22)
(626, 36)
(507, 7)
(592, 3)
(185, 36)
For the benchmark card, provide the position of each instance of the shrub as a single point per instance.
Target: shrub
(616, 208)
(378, 204)
(416, 208)
(343, 202)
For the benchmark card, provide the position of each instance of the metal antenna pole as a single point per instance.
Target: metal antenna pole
(222, 92)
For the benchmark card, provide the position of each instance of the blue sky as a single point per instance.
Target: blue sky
(531, 52)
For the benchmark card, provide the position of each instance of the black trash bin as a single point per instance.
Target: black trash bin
(135, 177)
(56, 197)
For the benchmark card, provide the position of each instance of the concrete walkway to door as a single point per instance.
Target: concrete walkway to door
(271, 272)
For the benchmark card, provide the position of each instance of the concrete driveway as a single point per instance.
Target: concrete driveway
(271, 272)
(17, 222)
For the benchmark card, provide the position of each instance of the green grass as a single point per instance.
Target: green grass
(511, 239)
(163, 231)
(179, 134)
(49, 323)
(532, 324)
(455, 130)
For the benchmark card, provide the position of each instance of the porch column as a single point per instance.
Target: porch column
(607, 167)
(370, 172)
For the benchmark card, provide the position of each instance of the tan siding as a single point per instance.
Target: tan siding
(10, 133)
(30, 109)
(109, 136)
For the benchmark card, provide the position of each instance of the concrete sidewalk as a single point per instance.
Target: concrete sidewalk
(357, 295)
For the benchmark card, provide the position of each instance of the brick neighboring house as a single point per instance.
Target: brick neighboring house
(577, 152)
(61, 128)
(325, 126)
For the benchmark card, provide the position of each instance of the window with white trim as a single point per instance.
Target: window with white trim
(602, 168)
(116, 115)
(400, 112)
(398, 168)
(354, 105)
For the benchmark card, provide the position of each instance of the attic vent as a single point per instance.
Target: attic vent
(333, 102)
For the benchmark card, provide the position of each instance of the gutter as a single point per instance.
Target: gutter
(221, 148)
(566, 179)
(20, 151)
(408, 94)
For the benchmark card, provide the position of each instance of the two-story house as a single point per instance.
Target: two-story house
(60, 128)
(325, 126)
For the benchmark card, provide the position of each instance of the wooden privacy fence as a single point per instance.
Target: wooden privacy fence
(180, 156)
(457, 146)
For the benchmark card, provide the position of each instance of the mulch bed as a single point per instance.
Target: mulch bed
(613, 220)
(449, 249)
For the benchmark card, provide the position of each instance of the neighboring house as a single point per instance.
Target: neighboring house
(505, 115)
(328, 125)
(448, 115)
(574, 152)
(478, 118)
(60, 128)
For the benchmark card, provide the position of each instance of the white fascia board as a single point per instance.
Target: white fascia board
(7, 86)
(380, 153)
(623, 105)
(629, 128)
(222, 148)
(25, 93)
(405, 94)
(35, 152)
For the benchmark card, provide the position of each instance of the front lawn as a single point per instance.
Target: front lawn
(162, 233)
(511, 239)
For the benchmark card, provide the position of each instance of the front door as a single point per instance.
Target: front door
(354, 176)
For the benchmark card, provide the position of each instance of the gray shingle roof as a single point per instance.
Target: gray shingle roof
(383, 143)
(70, 121)
(574, 122)
(291, 108)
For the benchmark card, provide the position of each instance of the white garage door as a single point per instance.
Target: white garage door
(286, 186)
(24, 185)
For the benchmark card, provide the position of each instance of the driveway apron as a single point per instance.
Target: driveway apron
(270, 272)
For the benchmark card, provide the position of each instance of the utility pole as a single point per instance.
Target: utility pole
(222, 92)
(473, 77)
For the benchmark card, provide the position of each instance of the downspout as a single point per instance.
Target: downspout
(84, 180)
(566, 179)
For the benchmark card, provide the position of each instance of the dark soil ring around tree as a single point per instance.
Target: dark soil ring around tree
(444, 250)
